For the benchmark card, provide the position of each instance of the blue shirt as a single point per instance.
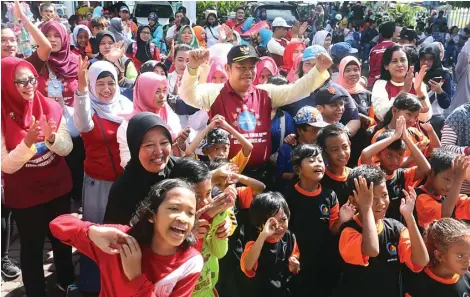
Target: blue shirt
(276, 136)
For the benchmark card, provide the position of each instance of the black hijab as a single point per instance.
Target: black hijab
(130, 189)
(143, 47)
(437, 69)
(99, 36)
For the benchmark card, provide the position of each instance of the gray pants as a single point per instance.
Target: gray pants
(95, 199)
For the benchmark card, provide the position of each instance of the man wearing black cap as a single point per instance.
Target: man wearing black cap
(408, 36)
(375, 59)
(246, 107)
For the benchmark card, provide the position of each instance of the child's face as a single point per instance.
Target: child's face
(312, 168)
(82, 39)
(218, 151)
(95, 30)
(283, 222)
(332, 113)
(411, 118)
(309, 135)
(381, 201)
(391, 160)
(338, 150)
(203, 193)
(442, 182)
(175, 217)
(457, 257)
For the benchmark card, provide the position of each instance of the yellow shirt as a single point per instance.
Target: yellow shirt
(240, 160)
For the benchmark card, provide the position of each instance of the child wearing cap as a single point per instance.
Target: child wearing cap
(217, 143)
(308, 121)
(330, 103)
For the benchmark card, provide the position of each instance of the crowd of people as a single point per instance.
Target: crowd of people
(243, 158)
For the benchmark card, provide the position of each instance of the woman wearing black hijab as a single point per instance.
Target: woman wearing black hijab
(439, 82)
(149, 141)
(143, 49)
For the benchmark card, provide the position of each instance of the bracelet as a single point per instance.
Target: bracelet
(192, 69)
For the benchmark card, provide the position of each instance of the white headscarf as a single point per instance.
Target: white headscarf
(119, 107)
(76, 31)
(320, 37)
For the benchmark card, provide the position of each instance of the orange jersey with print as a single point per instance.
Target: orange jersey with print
(378, 276)
(429, 206)
(428, 284)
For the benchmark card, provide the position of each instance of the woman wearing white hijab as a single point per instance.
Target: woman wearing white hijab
(99, 111)
(322, 38)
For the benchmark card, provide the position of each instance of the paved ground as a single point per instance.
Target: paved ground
(15, 288)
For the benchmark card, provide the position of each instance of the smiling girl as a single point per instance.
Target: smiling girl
(154, 257)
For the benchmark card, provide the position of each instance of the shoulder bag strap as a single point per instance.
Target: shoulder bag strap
(107, 145)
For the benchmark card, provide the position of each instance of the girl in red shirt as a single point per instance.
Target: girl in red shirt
(154, 257)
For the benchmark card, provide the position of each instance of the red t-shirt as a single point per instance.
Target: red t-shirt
(249, 116)
(232, 23)
(162, 276)
(375, 60)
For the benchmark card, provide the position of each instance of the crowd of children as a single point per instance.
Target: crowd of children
(216, 172)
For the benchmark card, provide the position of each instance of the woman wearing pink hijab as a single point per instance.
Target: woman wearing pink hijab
(217, 73)
(150, 94)
(265, 69)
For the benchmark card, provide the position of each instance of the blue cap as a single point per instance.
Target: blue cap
(312, 52)
(311, 116)
(342, 49)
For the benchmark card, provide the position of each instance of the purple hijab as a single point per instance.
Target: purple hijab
(64, 63)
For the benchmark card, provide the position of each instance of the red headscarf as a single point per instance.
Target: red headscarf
(198, 30)
(64, 63)
(268, 63)
(16, 112)
(288, 57)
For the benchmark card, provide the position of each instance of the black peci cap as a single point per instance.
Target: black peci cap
(241, 52)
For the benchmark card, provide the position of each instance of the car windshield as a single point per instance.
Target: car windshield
(143, 10)
(286, 14)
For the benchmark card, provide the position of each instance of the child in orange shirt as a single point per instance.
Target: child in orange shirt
(445, 179)
(374, 247)
(390, 151)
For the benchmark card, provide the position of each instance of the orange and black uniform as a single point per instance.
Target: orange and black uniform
(378, 276)
(398, 181)
(429, 206)
(271, 273)
(337, 183)
(312, 216)
(427, 284)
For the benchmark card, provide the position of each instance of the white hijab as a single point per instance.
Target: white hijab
(320, 37)
(119, 107)
(75, 33)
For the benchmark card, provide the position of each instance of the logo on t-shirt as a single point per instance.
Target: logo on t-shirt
(324, 210)
(392, 250)
(246, 119)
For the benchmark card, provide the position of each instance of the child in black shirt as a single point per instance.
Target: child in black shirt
(390, 150)
(374, 247)
(448, 244)
(336, 147)
(274, 257)
(316, 218)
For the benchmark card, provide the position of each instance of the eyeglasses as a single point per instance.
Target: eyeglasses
(24, 83)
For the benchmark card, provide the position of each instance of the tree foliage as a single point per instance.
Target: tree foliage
(405, 14)
(222, 7)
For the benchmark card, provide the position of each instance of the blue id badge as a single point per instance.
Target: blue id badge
(54, 88)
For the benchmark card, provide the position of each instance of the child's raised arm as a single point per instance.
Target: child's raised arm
(251, 254)
(419, 253)
(434, 141)
(196, 141)
(247, 147)
(365, 197)
(423, 165)
(257, 186)
(372, 150)
(460, 166)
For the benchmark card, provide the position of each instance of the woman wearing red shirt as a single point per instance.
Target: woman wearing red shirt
(99, 111)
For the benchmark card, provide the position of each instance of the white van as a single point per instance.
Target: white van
(163, 9)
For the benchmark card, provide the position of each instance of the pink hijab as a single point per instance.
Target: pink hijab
(268, 63)
(145, 88)
(217, 65)
(352, 89)
(64, 63)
